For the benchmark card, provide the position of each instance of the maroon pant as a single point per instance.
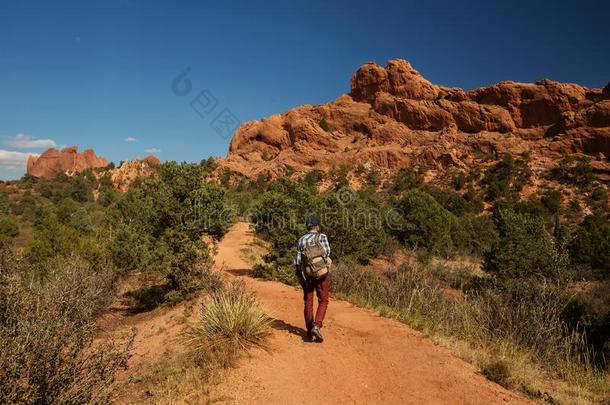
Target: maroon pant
(320, 286)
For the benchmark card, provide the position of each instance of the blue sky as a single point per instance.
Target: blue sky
(99, 74)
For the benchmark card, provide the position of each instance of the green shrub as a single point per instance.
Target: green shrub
(65, 209)
(598, 201)
(188, 259)
(26, 206)
(132, 250)
(340, 176)
(209, 211)
(81, 221)
(266, 156)
(270, 270)
(5, 204)
(451, 200)
(551, 199)
(82, 188)
(157, 225)
(182, 178)
(313, 177)
(373, 176)
(506, 178)
(459, 181)
(355, 227)
(108, 196)
(324, 125)
(591, 244)
(426, 223)
(51, 239)
(480, 234)
(407, 179)
(474, 200)
(574, 169)
(524, 248)
(288, 170)
(277, 217)
(9, 228)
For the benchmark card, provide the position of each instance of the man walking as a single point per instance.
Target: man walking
(312, 269)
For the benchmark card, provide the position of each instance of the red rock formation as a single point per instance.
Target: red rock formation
(395, 118)
(67, 160)
(124, 175)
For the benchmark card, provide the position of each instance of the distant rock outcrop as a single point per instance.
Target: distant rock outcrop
(394, 118)
(67, 160)
(124, 175)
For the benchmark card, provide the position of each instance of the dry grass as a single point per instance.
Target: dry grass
(231, 321)
(232, 317)
(47, 329)
(517, 338)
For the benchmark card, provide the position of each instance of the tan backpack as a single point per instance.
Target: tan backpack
(315, 265)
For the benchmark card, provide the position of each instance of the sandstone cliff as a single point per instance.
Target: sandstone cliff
(394, 118)
(67, 160)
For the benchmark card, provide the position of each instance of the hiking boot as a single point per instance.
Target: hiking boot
(317, 334)
(310, 336)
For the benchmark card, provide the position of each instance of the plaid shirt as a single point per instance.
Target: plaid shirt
(308, 237)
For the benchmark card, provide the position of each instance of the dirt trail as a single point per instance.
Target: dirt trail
(365, 359)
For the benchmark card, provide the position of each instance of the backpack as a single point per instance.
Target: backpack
(315, 265)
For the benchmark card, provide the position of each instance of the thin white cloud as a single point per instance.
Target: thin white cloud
(152, 150)
(13, 160)
(131, 139)
(23, 141)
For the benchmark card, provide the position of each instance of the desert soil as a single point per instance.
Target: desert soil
(365, 358)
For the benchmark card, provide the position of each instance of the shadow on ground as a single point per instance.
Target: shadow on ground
(278, 324)
(145, 299)
(239, 272)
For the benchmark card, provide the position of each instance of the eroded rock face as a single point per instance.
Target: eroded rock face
(394, 118)
(124, 175)
(67, 160)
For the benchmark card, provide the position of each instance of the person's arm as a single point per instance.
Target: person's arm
(325, 245)
(297, 259)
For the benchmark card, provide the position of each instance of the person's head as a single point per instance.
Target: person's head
(312, 224)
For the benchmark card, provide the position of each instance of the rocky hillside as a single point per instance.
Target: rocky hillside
(53, 162)
(67, 160)
(394, 118)
(124, 175)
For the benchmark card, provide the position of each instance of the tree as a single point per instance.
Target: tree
(551, 199)
(207, 210)
(108, 196)
(507, 178)
(426, 223)
(65, 210)
(82, 188)
(81, 221)
(524, 249)
(591, 244)
(355, 227)
(182, 178)
(51, 239)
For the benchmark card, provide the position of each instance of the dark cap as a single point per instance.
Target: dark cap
(312, 221)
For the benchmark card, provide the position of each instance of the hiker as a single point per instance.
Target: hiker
(313, 271)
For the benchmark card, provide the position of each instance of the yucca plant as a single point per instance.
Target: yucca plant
(233, 318)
